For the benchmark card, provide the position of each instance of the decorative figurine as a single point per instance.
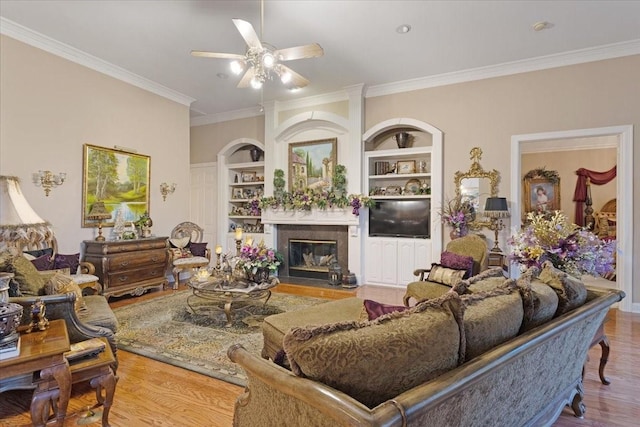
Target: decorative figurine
(38, 319)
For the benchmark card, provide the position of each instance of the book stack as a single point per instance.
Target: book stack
(10, 349)
(381, 168)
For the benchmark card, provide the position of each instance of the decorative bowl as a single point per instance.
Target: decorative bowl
(10, 317)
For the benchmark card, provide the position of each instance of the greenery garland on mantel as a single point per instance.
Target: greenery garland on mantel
(305, 200)
(551, 176)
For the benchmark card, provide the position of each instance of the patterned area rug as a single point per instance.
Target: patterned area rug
(166, 329)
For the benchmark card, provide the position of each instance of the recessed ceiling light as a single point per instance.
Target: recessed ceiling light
(222, 76)
(542, 25)
(403, 29)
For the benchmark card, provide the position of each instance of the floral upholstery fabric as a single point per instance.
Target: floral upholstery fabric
(376, 360)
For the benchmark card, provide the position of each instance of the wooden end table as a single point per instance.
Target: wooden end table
(42, 354)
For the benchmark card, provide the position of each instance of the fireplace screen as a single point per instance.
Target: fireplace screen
(311, 258)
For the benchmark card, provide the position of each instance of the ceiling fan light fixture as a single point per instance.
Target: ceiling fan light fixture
(237, 67)
(256, 83)
(268, 60)
(285, 77)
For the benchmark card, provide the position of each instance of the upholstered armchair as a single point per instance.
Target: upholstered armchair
(189, 251)
(469, 253)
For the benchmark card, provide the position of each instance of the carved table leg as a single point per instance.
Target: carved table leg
(227, 312)
(604, 344)
(105, 383)
(41, 398)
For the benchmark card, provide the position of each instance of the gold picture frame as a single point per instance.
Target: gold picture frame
(406, 166)
(541, 195)
(118, 178)
(311, 164)
(248, 176)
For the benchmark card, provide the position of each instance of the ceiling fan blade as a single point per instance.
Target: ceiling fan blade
(299, 52)
(245, 81)
(297, 81)
(205, 54)
(248, 33)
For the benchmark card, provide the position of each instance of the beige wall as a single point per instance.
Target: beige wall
(566, 163)
(50, 107)
(208, 140)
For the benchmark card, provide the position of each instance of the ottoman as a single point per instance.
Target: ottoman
(275, 327)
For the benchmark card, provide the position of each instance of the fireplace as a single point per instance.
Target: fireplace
(309, 249)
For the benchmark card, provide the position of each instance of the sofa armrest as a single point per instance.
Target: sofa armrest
(87, 268)
(274, 393)
(61, 306)
(420, 272)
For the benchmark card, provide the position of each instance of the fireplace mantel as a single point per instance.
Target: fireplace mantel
(329, 216)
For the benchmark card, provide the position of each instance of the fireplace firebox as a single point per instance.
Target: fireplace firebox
(311, 258)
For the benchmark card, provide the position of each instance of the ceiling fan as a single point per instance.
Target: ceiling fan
(262, 61)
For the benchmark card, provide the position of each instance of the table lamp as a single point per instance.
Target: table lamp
(495, 209)
(99, 213)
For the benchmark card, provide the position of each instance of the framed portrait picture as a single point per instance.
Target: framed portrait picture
(311, 164)
(236, 193)
(248, 176)
(118, 178)
(541, 195)
(406, 166)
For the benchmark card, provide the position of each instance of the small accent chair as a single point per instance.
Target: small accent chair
(195, 234)
(470, 245)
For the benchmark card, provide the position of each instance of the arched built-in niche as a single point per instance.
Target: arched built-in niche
(624, 261)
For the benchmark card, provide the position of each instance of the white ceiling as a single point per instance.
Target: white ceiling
(153, 39)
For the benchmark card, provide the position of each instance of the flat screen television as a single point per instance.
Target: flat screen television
(401, 218)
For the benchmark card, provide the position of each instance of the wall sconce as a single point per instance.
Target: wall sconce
(166, 189)
(496, 208)
(48, 180)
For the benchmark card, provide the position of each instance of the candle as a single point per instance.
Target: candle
(239, 233)
(218, 249)
(249, 241)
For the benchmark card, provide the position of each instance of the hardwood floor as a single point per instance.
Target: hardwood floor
(151, 393)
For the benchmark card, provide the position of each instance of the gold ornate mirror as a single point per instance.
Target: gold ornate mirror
(475, 186)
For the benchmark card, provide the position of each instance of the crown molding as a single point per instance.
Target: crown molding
(40, 41)
(226, 116)
(599, 53)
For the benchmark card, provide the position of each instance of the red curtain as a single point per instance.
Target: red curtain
(580, 195)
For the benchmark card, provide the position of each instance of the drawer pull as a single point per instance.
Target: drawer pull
(153, 272)
(123, 278)
(155, 259)
(124, 263)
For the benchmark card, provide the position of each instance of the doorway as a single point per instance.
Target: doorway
(624, 191)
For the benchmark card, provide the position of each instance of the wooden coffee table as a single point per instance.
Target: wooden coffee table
(234, 291)
(42, 355)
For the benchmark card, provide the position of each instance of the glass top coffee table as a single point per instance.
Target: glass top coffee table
(225, 293)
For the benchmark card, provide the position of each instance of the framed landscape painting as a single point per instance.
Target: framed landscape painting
(311, 164)
(118, 178)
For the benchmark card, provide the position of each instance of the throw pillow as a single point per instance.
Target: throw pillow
(179, 242)
(445, 276)
(72, 262)
(571, 291)
(539, 301)
(374, 361)
(61, 284)
(198, 249)
(491, 318)
(43, 263)
(457, 262)
(376, 309)
(39, 252)
(30, 281)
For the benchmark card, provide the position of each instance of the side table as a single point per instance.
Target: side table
(42, 355)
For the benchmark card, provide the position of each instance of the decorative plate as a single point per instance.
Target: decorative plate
(412, 186)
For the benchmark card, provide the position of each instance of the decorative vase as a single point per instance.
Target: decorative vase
(402, 139)
(255, 153)
(454, 234)
(10, 317)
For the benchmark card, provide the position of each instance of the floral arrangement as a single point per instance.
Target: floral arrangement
(253, 258)
(305, 200)
(457, 214)
(551, 237)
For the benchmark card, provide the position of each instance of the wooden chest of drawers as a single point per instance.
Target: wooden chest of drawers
(129, 266)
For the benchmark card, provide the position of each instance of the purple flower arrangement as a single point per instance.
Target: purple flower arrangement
(254, 257)
(574, 250)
